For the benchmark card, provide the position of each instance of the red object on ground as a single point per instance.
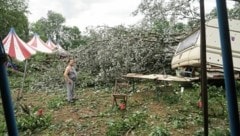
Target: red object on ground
(40, 112)
(199, 104)
(122, 106)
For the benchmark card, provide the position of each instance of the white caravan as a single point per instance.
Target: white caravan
(186, 60)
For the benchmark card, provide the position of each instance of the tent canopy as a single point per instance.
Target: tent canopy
(16, 47)
(56, 48)
(39, 45)
(51, 45)
(61, 50)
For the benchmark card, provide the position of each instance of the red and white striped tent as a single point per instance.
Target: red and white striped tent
(61, 50)
(39, 45)
(51, 45)
(16, 47)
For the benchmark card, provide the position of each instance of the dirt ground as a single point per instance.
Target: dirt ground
(91, 112)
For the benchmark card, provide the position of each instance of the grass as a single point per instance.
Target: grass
(171, 113)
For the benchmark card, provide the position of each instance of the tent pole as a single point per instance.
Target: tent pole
(228, 67)
(6, 96)
(19, 95)
(204, 94)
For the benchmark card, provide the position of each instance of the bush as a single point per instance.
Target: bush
(217, 102)
(33, 121)
(170, 97)
(159, 131)
(219, 132)
(122, 126)
(55, 103)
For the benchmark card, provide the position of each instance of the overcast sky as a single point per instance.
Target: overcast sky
(83, 13)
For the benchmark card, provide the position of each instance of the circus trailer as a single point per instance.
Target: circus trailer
(186, 60)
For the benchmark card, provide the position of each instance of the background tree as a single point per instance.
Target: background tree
(40, 28)
(71, 37)
(170, 10)
(212, 14)
(53, 27)
(49, 27)
(234, 13)
(13, 14)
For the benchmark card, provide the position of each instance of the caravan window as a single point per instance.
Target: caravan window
(188, 42)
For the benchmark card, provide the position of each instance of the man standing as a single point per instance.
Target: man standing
(70, 76)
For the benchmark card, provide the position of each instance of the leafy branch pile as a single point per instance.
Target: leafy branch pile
(112, 52)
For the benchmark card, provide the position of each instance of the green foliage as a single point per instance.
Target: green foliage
(33, 121)
(55, 103)
(235, 12)
(52, 27)
(3, 127)
(179, 27)
(71, 38)
(118, 128)
(161, 26)
(219, 132)
(191, 97)
(178, 121)
(238, 87)
(112, 52)
(86, 79)
(122, 126)
(199, 132)
(217, 101)
(212, 14)
(173, 10)
(49, 27)
(13, 14)
(170, 97)
(48, 69)
(40, 28)
(160, 131)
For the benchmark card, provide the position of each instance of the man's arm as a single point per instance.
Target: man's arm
(66, 74)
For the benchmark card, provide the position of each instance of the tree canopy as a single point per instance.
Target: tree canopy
(49, 27)
(234, 13)
(171, 10)
(53, 27)
(13, 14)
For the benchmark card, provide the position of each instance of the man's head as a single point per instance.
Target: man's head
(71, 61)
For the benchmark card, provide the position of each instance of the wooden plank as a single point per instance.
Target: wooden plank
(161, 77)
